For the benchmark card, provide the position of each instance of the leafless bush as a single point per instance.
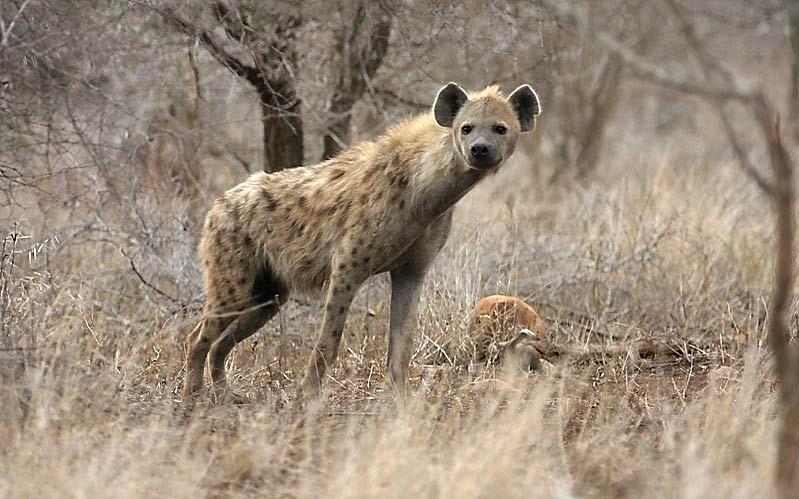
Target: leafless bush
(718, 86)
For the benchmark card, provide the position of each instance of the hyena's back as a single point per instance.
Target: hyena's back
(293, 221)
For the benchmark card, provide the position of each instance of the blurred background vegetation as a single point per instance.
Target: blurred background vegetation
(185, 97)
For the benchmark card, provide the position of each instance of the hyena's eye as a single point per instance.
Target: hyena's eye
(466, 129)
(501, 129)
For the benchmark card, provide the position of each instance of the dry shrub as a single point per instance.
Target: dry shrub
(173, 151)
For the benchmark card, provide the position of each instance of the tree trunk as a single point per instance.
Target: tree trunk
(362, 50)
(787, 360)
(604, 102)
(793, 101)
(786, 357)
(272, 77)
(283, 136)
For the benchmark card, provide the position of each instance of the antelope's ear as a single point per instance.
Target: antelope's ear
(449, 101)
(525, 102)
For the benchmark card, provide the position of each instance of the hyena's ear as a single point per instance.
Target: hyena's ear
(449, 101)
(525, 102)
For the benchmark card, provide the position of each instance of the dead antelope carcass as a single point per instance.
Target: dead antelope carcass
(506, 330)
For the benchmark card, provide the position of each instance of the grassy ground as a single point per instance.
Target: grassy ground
(671, 250)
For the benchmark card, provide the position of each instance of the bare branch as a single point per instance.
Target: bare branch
(708, 64)
(716, 92)
(228, 60)
(676, 80)
(793, 95)
(743, 158)
(145, 281)
(397, 99)
(672, 78)
(198, 89)
(711, 69)
(6, 30)
(232, 22)
(786, 357)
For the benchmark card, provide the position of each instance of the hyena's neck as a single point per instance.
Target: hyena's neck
(439, 179)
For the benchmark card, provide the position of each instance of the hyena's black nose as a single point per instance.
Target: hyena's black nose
(480, 150)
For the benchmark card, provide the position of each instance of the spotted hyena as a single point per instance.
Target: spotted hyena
(381, 206)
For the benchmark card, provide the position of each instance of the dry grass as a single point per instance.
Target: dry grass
(676, 252)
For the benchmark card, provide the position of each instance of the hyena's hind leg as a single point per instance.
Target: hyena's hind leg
(268, 294)
(198, 344)
(225, 297)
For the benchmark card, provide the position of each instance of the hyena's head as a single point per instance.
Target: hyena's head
(485, 125)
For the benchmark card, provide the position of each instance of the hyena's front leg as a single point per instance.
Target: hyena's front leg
(405, 285)
(345, 280)
(406, 281)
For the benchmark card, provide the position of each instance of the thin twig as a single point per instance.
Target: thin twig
(7, 30)
(145, 281)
